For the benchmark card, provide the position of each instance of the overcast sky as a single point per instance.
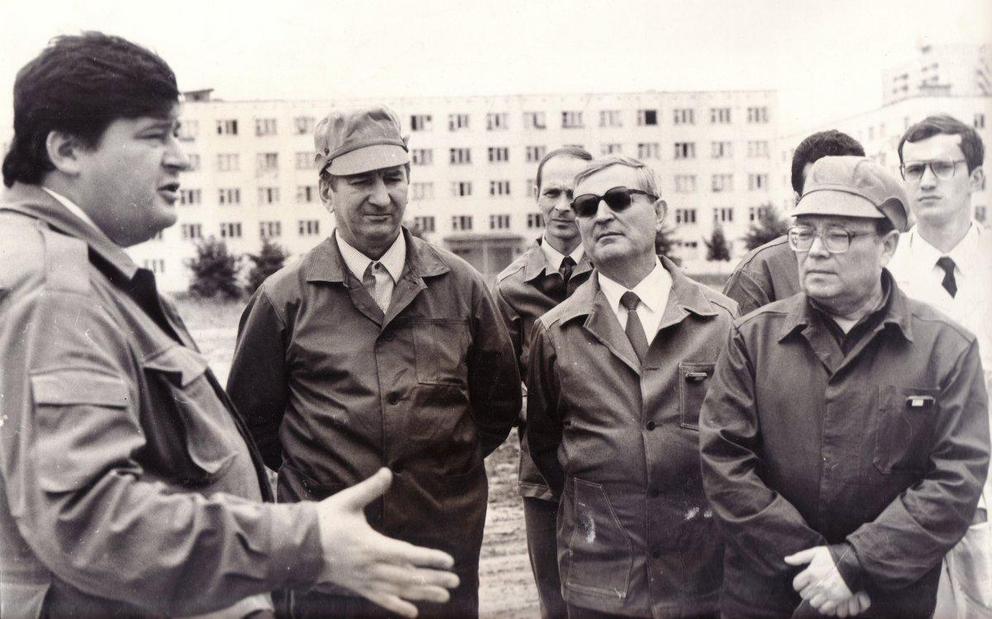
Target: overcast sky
(824, 57)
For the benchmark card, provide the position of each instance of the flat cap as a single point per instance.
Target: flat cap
(359, 140)
(854, 187)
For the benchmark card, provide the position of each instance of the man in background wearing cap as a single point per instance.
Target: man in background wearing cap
(769, 272)
(379, 349)
(844, 439)
(944, 261)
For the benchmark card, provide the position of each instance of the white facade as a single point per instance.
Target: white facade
(942, 71)
(475, 159)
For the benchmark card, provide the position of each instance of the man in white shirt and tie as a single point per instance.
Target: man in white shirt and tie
(946, 260)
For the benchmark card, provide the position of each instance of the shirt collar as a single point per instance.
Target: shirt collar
(963, 254)
(554, 257)
(357, 262)
(652, 290)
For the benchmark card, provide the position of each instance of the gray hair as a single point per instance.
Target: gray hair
(645, 175)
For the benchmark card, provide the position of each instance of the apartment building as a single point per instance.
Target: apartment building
(473, 165)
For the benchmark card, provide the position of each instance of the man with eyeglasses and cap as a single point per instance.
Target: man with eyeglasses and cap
(944, 260)
(844, 438)
(615, 379)
(378, 349)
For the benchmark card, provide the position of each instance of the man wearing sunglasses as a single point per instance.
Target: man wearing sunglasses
(944, 260)
(616, 375)
(541, 278)
(844, 437)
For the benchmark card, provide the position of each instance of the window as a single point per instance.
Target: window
(268, 195)
(722, 182)
(227, 127)
(190, 196)
(757, 182)
(227, 162)
(192, 231)
(499, 188)
(461, 222)
(497, 121)
(534, 120)
(685, 183)
(155, 265)
(459, 156)
(648, 150)
(610, 118)
(535, 153)
(535, 220)
(684, 116)
(188, 130)
(685, 150)
(303, 125)
(306, 194)
(571, 120)
(457, 121)
(266, 162)
(757, 148)
(424, 224)
(499, 222)
(719, 115)
(308, 227)
(229, 196)
(721, 150)
(610, 149)
(685, 215)
(422, 156)
(755, 213)
(194, 162)
(230, 230)
(647, 118)
(422, 191)
(461, 188)
(531, 188)
(757, 114)
(305, 160)
(499, 154)
(420, 122)
(723, 215)
(158, 236)
(981, 214)
(979, 121)
(265, 126)
(269, 229)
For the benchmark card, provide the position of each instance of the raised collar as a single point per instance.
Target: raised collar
(35, 202)
(554, 257)
(422, 260)
(652, 291)
(357, 262)
(537, 262)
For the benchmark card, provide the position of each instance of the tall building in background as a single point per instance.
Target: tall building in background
(941, 70)
(474, 159)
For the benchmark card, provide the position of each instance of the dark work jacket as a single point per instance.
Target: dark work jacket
(524, 291)
(333, 389)
(620, 442)
(879, 454)
(128, 484)
(766, 274)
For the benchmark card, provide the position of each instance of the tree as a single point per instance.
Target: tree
(664, 244)
(716, 246)
(215, 271)
(768, 227)
(270, 258)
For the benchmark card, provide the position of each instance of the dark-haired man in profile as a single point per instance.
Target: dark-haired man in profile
(769, 272)
(128, 483)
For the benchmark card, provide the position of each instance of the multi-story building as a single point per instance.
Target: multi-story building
(473, 166)
(959, 70)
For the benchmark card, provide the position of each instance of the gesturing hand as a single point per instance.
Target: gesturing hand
(823, 586)
(386, 571)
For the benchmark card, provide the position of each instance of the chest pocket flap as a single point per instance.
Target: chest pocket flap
(693, 383)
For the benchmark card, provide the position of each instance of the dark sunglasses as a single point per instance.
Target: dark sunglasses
(617, 199)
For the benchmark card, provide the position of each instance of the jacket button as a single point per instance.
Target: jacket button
(392, 398)
(656, 553)
(387, 337)
(651, 425)
(653, 492)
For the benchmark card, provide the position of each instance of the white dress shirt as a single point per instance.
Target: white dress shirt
(653, 293)
(554, 257)
(393, 261)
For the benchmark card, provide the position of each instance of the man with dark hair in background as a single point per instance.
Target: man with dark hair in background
(546, 274)
(944, 260)
(128, 483)
(769, 272)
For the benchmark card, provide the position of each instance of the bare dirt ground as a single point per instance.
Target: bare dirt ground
(506, 585)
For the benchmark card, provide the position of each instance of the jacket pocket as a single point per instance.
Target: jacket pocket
(600, 553)
(693, 383)
(441, 346)
(903, 429)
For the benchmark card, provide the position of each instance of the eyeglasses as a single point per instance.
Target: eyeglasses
(836, 239)
(941, 168)
(617, 198)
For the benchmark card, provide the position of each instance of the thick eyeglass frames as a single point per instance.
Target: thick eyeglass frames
(941, 168)
(617, 198)
(836, 239)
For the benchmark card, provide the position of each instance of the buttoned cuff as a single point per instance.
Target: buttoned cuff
(847, 563)
(297, 557)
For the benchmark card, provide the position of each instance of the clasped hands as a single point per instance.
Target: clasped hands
(822, 585)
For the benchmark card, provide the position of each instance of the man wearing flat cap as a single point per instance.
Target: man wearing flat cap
(844, 439)
(379, 349)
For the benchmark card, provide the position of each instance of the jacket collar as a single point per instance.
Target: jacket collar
(35, 202)
(537, 263)
(422, 260)
(800, 313)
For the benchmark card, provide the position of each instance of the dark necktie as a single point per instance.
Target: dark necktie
(949, 283)
(634, 330)
(566, 268)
